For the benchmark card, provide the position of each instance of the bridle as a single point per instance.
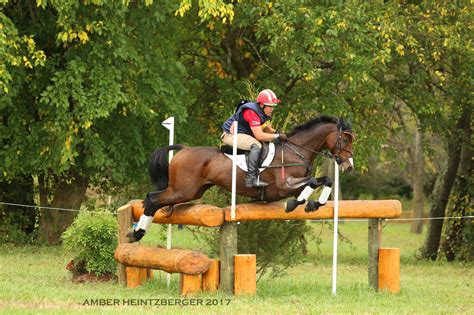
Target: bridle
(339, 148)
(334, 156)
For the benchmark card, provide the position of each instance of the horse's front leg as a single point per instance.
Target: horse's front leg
(312, 205)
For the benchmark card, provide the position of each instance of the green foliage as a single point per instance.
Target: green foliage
(110, 70)
(377, 183)
(92, 239)
(10, 230)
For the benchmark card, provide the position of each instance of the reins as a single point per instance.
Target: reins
(330, 156)
(306, 163)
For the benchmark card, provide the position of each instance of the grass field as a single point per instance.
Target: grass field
(34, 280)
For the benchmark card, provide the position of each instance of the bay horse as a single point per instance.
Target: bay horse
(193, 170)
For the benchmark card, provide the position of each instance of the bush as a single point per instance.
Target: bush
(92, 239)
(277, 244)
(10, 232)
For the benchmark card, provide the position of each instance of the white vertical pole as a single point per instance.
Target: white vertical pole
(234, 170)
(336, 221)
(169, 124)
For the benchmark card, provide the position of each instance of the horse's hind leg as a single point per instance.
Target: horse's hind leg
(154, 201)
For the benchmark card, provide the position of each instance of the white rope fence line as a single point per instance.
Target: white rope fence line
(42, 207)
(313, 220)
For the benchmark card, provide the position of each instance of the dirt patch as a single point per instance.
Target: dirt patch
(80, 275)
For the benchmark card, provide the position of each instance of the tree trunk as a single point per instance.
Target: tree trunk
(68, 195)
(454, 238)
(443, 187)
(417, 183)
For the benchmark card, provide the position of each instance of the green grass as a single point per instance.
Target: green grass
(34, 280)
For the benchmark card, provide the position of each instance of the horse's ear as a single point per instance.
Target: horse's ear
(344, 124)
(340, 123)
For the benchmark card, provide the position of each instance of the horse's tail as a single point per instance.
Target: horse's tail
(158, 166)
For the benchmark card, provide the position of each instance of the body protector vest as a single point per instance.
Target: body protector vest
(244, 126)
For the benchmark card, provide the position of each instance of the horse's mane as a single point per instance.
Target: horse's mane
(341, 124)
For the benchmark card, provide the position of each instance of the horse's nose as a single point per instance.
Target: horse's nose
(348, 166)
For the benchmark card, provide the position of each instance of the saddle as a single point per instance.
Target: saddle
(266, 156)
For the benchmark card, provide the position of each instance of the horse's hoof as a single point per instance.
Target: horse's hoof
(291, 205)
(312, 206)
(134, 236)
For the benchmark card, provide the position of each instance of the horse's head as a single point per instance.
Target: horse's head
(340, 144)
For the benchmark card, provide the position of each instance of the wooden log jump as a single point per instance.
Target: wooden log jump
(185, 213)
(169, 260)
(211, 216)
(347, 209)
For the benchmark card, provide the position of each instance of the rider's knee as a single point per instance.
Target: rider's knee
(255, 146)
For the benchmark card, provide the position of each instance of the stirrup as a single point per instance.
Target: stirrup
(254, 182)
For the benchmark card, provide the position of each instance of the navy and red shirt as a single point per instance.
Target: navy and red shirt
(248, 115)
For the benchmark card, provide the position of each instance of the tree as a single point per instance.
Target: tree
(88, 116)
(431, 71)
(457, 242)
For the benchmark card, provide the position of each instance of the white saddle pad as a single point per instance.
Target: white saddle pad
(242, 163)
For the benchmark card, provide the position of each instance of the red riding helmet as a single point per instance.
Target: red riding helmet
(267, 97)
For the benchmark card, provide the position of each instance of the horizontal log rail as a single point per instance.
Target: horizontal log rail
(185, 213)
(347, 209)
(170, 260)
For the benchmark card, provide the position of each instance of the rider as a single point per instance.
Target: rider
(253, 126)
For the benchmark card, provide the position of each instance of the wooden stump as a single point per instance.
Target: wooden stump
(245, 274)
(228, 249)
(375, 232)
(389, 269)
(125, 221)
(190, 284)
(210, 279)
(136, 276)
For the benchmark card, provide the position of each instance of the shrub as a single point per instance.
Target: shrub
(92, 239)
(277, 244)
(10, 232)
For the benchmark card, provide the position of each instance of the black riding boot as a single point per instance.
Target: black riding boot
(252, 175)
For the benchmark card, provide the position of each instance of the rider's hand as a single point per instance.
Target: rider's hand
(283, 137)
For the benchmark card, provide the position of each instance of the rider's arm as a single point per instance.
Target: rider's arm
(268, 128)
(262, 136)
(254, 121)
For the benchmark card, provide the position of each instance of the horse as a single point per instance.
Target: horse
(193, 170)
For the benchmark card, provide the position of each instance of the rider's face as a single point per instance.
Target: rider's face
(268, 110)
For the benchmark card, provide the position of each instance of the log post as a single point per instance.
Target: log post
(210, 279)
(374, 245)
(389, 269)
(136, 276)
(190, 284)
(228, 249)
(125, 221)
(245, 274)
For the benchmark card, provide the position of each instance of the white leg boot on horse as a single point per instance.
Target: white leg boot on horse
(252, 179)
